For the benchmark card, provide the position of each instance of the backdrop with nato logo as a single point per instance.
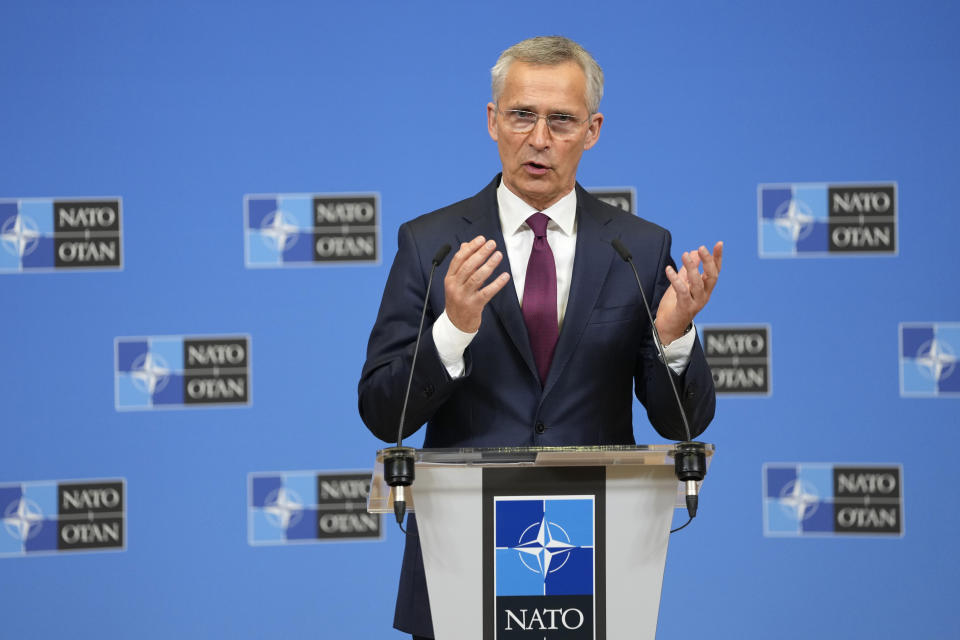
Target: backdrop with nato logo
(199, 206)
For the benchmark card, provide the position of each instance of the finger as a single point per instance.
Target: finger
(476, 261)
(718, 254)
(685, 303)
(710, 269)
(678, 281)
(691, 263)
(473, 261)
(691, 275)
(483, 272)
(494, 287)
(465, 251)
(682, 273)
(691, 260)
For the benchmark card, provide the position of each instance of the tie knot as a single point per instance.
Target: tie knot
(538, 222)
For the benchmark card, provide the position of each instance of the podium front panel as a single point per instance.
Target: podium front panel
(544, 552)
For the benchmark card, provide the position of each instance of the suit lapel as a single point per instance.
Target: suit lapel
(484, 220)
(591, 263)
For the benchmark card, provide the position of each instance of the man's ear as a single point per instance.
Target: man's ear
(593, 130)
(492, 120)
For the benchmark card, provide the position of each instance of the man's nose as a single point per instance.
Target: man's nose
(540, 136)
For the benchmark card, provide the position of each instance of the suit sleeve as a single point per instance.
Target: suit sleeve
(652, 386)
(383, 381)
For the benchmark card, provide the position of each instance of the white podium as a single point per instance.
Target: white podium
(564, 543)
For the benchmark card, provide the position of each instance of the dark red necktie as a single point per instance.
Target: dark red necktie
(540, 297)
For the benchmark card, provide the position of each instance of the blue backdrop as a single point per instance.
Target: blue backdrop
(183, 108)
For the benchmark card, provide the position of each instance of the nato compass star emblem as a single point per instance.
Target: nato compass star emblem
(544, 547)
(23, 519)
(279, 231)
(936, 359)
(799, 499)
(150, 373)
(283, 508)
(20, 235)
(793, 220)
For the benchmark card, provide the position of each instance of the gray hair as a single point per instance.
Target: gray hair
(549, 51)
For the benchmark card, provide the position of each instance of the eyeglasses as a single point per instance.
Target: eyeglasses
(560, 124)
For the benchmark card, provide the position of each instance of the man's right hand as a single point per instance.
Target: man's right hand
(466, 294)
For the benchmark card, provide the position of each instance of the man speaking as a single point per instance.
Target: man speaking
(538, 336)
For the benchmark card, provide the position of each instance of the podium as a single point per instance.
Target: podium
(554, 542)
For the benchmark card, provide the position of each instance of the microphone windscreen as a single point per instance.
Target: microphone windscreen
(441, 254)
(621, 249)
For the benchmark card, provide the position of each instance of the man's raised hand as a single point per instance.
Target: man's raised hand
(465, 283)
(689, 291)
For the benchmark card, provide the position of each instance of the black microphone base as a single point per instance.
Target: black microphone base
(690, 465)
(398, 466)
(399, 472)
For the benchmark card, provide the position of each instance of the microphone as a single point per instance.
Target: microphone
(398, 461)
(690, 461)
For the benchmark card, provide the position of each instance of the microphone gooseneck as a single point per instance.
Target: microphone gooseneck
(690, 461)
(398, 461)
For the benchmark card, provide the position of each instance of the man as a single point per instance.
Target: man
(538, 333)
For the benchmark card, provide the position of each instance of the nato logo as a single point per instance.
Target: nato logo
(46, 234)
(739, 359)
(811, 499)
(544, 565)
(928, 359)
(297, 230)
(176, 372)
(58, 516)
(624, 198)
(297, 507)
(814, 219)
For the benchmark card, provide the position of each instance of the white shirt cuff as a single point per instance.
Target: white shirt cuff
(678, 352)
(451, 343)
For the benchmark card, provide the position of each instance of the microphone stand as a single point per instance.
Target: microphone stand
(689, 458)
(398, 461)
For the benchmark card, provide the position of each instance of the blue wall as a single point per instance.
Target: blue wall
(182, 108)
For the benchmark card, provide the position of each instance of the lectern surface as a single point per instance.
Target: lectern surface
(381, 499)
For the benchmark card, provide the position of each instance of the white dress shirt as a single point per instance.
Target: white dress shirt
(518, 238)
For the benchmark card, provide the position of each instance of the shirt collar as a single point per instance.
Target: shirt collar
(514, 211)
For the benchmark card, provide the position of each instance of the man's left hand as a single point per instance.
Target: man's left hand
(689, 291)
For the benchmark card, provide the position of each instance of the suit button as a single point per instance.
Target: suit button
(541, 427)
(428, 391)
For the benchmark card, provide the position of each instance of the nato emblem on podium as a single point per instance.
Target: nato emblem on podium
(543, 554)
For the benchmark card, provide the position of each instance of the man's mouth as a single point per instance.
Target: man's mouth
(536, 168)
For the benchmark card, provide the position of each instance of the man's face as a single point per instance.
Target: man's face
(538, 166)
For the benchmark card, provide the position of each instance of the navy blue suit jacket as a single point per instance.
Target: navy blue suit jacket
(604, 355)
